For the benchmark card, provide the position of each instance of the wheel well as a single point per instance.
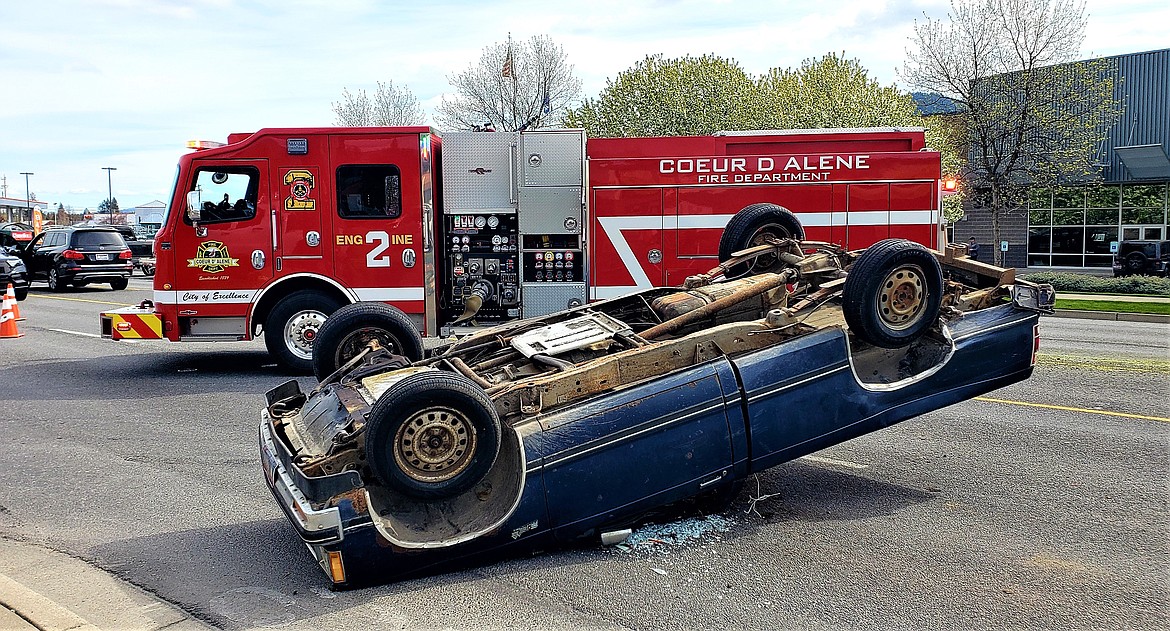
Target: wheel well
(275, 293)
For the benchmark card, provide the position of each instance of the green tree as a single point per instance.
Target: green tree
(670, 97)
(513, 86)
(391, 106)
(1032, 117)
(109, 206)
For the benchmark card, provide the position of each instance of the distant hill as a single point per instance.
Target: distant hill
(930, 103)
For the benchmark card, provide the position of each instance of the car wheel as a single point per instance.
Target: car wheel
(755, 225)
(21, 293)
(893, 293)
(119, 283)
(1135, 262)
(148, 270)
(432, 435)
(55, 282)
(292, 326)
(349, 329)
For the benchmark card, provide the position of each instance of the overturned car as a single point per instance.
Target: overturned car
(575, 425)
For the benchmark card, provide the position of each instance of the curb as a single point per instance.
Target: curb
(1158, 318)
(41, 589)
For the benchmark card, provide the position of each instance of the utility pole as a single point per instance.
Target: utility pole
(110, 181)
(27, 202)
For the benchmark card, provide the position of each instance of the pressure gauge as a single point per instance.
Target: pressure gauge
(493, 221)
(480, 221)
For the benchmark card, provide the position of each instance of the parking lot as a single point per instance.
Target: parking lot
(1040, 505)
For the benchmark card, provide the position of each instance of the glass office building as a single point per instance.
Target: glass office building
(1080, 226)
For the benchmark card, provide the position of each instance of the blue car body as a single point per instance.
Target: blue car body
(606, 460)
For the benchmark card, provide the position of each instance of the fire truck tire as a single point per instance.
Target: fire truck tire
(893, 293)
(292, 327)
(752, 226)
(119, 283)
(348, 330)
(432, 435)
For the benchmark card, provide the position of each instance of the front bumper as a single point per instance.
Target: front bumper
(133, 323)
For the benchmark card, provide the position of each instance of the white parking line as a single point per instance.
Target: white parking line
(835, 462)
(76, 333)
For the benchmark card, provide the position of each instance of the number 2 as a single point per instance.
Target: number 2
(373, 257)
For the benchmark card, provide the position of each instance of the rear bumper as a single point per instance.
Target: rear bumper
(92, 273)
(315, 527)
(132, 323)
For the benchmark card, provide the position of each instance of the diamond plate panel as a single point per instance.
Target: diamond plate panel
(478, 173)
(548, 210)
(544, 298)
(553, 158)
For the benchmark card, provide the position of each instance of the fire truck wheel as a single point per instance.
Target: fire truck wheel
(754, 225)
(893, 293)
(352, 327)
(432, 435)
(292, 326)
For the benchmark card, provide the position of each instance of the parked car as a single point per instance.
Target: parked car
(1151, 258)
(14, 272)
(575, 425)
(139, 240)
(77, 256)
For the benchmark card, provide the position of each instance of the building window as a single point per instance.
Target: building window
(1078, 226)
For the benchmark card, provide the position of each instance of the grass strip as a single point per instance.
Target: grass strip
(1118, 306)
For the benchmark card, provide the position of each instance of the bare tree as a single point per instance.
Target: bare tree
(514, 86)
(392, 106)
(1034, 118)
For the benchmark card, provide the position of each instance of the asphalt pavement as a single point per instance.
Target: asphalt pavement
(49, 589)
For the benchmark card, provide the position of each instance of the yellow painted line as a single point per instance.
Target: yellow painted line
(96, 302)
(1104, 364)
(1071, 409)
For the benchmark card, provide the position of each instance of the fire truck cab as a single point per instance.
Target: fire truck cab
(272, 232)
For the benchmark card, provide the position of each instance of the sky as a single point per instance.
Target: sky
(89, 84)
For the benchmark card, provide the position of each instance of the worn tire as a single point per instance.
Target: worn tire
(119, 283)
(893, 293)
(459, 423)
(351, 327)
(750, 226)
(55, 282)
(292, 326)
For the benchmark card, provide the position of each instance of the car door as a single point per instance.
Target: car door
(38, 255)
(628, 451)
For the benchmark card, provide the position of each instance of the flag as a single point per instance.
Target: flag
(507, 72)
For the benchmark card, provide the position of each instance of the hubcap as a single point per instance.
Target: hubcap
(434, 445)
(903, 297)
(301, 330)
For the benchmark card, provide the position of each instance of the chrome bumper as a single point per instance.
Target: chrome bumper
(318, 527)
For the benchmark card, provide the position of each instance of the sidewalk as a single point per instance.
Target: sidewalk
(44, 590)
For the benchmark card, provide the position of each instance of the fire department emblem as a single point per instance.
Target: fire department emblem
(300, 184)
(212, 257)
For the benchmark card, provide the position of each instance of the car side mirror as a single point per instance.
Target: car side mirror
(194, 206)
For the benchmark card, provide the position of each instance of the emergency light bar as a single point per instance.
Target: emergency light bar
(199, 145)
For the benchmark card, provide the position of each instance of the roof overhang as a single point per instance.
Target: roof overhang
(1145, 162)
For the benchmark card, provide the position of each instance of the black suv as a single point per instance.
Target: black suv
(1142, 257)
(78, 256)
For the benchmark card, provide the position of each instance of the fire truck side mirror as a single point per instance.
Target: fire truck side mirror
(194, 206)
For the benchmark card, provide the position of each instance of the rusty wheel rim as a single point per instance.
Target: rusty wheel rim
(434, 445)
(762, 236)
(902, 297)
(357, 341)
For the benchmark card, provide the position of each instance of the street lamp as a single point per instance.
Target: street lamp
(110, 181)
(27, 202)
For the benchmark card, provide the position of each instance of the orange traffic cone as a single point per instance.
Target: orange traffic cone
(11, 295)
(8, 320)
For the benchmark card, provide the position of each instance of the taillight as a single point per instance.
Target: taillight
(73, 255)
(125, 254)
(1035, 342)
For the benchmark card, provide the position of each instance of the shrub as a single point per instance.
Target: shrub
(1086, 284)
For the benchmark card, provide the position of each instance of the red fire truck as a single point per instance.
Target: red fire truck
(272, 232)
